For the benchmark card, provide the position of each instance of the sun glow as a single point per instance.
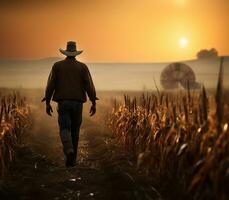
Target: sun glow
(180, 2)
(183, 42)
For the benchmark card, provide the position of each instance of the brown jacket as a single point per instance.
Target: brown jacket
(70, 79)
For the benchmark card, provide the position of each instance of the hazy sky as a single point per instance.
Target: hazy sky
(114, 30)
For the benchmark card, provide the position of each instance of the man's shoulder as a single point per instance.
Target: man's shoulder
(56, 64)
(59, 62)
(82, 66)
(81, 63)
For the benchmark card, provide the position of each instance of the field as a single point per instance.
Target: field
(37, 170)
(14, 120)
(140, 145)
(178, 140)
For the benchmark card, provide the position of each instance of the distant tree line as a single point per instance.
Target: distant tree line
(206, 54)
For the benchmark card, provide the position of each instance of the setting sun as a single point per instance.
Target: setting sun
(183, 42)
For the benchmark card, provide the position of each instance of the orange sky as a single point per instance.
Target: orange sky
(114, 30)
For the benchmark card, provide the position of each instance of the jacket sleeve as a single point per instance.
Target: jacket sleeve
(89, 86)
(51, 84)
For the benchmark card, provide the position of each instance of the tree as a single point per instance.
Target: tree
(206, 54)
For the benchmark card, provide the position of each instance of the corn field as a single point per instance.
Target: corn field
(180, 140)
(14, 120)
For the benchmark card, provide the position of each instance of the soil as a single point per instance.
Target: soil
(104, 171)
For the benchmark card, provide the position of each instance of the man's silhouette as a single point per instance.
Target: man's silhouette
(68, 83)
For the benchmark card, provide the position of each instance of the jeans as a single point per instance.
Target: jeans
(69, 120)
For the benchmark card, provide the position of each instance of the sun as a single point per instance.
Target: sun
(183, 42)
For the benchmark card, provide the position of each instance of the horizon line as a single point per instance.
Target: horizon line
(103, 62)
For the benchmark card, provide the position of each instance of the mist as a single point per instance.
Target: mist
(108, 76)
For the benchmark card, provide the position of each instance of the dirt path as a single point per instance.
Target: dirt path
(104, 171)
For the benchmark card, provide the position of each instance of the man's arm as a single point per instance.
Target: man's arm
(51, 84)
(90, 89)
(50, 88)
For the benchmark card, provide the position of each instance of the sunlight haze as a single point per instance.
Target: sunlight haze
(114, 31)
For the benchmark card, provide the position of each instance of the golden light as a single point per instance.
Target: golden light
(180, 2)
(183, 42)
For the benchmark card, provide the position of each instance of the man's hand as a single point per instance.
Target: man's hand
(49, 110)
(93, 110)
(44, 99)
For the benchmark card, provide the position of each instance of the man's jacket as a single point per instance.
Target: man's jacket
(70, 79)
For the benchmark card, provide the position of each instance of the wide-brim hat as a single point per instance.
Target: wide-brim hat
(71, 49)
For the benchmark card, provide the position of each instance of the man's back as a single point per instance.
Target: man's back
(70, 80)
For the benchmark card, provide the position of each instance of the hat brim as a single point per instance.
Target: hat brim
(70, 53)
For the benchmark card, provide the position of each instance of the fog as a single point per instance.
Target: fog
(108, 76)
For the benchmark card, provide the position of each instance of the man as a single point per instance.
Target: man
(68, 83)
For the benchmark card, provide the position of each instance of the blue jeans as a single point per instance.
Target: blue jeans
(69, 120)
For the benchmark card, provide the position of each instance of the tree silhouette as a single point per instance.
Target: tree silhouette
(206, 54)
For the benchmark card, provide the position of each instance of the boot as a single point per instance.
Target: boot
(70, 160)
(68, 149)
